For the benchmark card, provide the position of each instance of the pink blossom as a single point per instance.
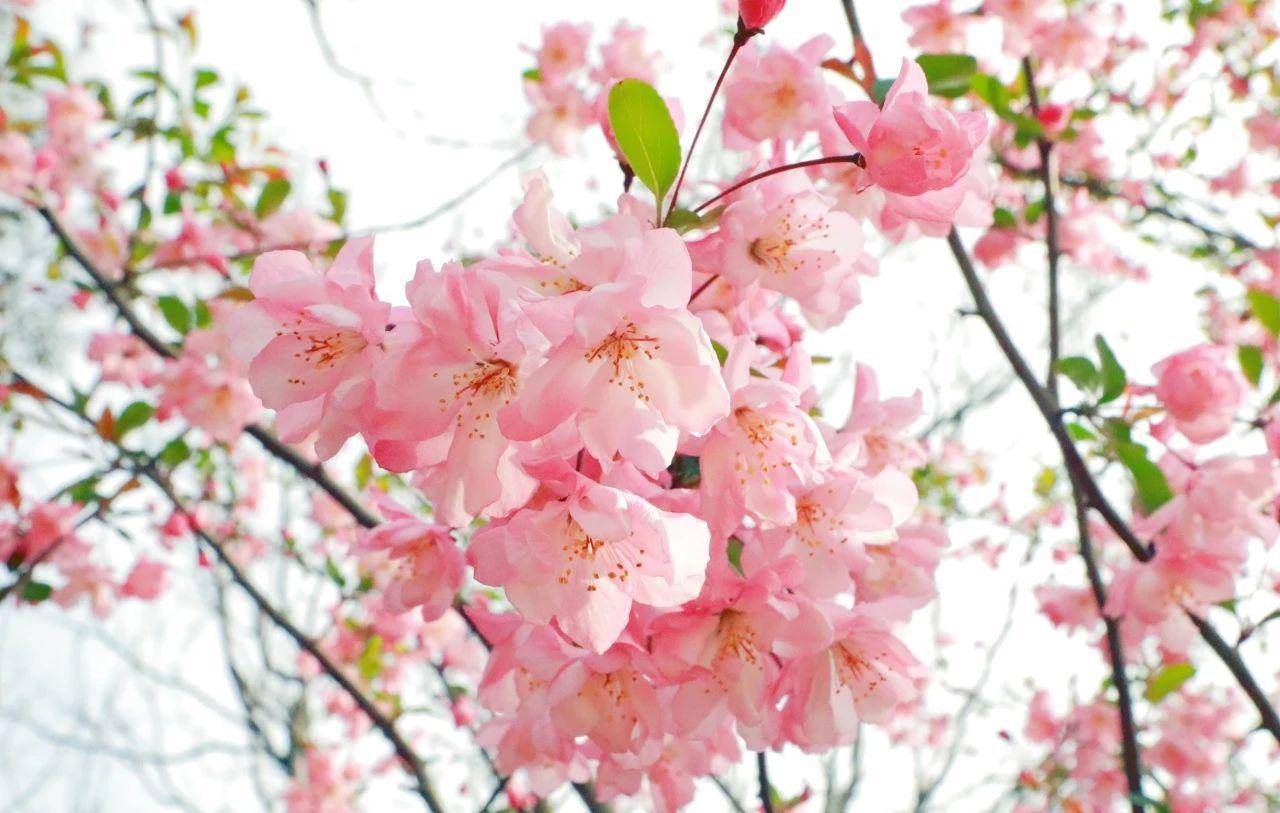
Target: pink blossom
(107, 247)
(427, 565)
(563, 51)
(636, 371)
(626, 56)
(936, 27)
(762, 455)
(322, 786)
(782, 234)
(836, 518)
(864, 675)
(72, 111)
(447, 378)
(17, 163)
(124, 357)
(582, 561)
(310, 338)
(998, 247)
(775, 94)
(1199, 391)
(560, 114)
(912, 145)
(146, 581)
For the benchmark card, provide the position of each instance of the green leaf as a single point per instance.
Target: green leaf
(1045, 480)
(134, 415)
(683, 220)
(1080, 371)
(337, 205)
(880, 90)
(992, 91)
(1167, 680)
(203, 317)
(175, 452)
(533, 75)
(205, 77)
(370, 662)
(949, 75)
(175, 313)
(686, 471)
(734, 550)
(1250, 362)
(1080, 432)
(646, 135)
(85, 491)
(722, 352)
(1113, 375)
(1266, 309)
(273, 194)
(1153, 489)
(364, 470)
(331, 568)
(1004, 218)
(35, 592)
(1033, 211)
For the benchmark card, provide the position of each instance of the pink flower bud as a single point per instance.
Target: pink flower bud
(759, 13)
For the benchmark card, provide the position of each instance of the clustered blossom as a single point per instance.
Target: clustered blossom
(693, 555)
(639, 537)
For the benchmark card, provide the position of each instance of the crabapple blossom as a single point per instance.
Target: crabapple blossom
(1199, 391)
(784, 235)
(775, 94)
(426, 565)
(583, 560)
(912, 145)
(309, 337)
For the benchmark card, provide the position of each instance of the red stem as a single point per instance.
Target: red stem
(856, 158)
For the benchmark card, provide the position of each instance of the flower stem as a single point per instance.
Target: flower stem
(856, 159)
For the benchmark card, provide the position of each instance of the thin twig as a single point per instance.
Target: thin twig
(766, 790)
(1129, 753)
(1048, 177)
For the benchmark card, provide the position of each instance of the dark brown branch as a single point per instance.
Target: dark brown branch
(1048, 177)
(1230, 657)
(1089, 487)
(1115, 652)
(147, 468)
(766, 790)
(273, 445)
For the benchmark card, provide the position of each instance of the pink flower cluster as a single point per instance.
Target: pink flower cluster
(568, 94)
(690, 550)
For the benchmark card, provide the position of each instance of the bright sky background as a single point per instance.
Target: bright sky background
(450, 72)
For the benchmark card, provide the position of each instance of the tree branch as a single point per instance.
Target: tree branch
(1128, 729)
(1048, 176)
(766, 790)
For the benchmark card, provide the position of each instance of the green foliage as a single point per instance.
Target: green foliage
(949, 75)
(1266, 309)
(1113, 375)
(1167, 680)
(1250, 357)
(734, 551)
(134, 416)
(272, 196)
(1080, 371)
(176, 313)
(646, 135)
(1153, 489)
